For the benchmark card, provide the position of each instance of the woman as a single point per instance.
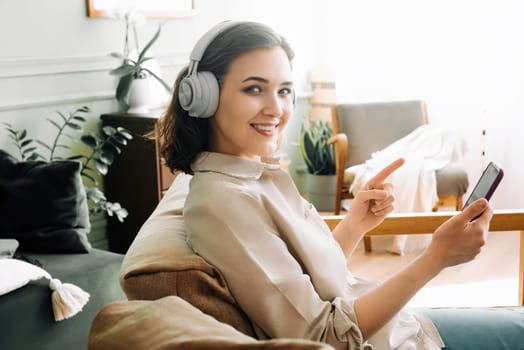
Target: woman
(245, 216)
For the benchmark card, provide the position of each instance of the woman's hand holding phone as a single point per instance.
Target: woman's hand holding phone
(461, 238)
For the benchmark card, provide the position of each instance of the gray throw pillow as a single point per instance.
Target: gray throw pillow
(43, 205)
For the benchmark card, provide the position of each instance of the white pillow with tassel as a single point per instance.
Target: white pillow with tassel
(67, 299)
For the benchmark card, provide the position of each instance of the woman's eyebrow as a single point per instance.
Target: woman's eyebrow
(265, 81)
(259, 79)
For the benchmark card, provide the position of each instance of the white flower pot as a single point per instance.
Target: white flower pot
(139, 97)
(321, 191)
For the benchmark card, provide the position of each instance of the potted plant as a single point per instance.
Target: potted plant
(133, 74)
(103, 146)
(319, 156)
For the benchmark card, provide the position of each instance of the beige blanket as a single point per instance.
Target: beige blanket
(426, 149)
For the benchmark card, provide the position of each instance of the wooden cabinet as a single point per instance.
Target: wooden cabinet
(136, 179)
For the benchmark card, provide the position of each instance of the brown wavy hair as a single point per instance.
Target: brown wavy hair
(181, 137)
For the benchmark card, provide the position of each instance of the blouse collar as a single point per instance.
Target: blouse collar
(233, 166)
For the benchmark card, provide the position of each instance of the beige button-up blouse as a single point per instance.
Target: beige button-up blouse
(280, 259)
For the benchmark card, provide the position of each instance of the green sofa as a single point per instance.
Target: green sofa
(26, 314)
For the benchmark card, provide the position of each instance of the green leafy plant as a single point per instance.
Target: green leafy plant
(103, 146)
(318, 154)
(134, 69)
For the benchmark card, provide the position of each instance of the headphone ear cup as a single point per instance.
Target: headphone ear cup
(199, 94)
(210, 96)
(186, 92)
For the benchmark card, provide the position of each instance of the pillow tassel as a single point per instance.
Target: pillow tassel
(67, 299)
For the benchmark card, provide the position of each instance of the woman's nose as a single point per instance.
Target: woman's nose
(273, 106)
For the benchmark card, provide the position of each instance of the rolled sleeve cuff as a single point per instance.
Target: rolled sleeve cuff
(347, 334)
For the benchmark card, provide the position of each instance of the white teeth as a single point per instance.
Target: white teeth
(264, 127)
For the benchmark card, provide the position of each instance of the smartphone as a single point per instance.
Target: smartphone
(488, 182)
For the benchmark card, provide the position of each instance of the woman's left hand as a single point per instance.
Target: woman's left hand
(368, 209)
(372, 204)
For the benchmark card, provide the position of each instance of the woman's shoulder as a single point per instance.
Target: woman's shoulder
(214, 199)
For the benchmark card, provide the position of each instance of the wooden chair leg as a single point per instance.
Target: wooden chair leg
(459, 203)
(521, 270)
(367, 244)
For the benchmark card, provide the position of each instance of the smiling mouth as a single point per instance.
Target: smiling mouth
(265, 129)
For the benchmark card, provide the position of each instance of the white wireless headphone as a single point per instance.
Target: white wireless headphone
(198, 92)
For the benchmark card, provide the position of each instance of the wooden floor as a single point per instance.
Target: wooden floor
(490, 280)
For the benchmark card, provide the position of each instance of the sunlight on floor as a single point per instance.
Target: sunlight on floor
(485, 293)
(490, 280)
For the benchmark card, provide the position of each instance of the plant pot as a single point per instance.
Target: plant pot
(321, 191)
(139, 97)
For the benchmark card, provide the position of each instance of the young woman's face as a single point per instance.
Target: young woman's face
(255, 105)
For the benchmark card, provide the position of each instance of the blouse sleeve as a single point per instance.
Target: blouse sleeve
(231, 229)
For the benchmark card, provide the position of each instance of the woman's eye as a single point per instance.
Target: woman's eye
(285, 91)
(253, 89)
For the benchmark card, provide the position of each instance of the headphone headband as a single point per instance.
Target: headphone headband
(206, 39)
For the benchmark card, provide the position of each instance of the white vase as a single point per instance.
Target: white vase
(139, 96)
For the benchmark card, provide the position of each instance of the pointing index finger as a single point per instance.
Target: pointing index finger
(383, 174)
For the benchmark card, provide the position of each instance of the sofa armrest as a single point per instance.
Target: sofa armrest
(159, 263)
(172, 323)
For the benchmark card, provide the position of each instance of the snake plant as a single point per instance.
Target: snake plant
(318, 155)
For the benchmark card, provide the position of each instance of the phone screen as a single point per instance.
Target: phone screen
(487, 183)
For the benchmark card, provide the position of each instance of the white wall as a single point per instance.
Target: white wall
(465, 58)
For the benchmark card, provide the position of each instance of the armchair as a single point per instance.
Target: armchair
(359, 132)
